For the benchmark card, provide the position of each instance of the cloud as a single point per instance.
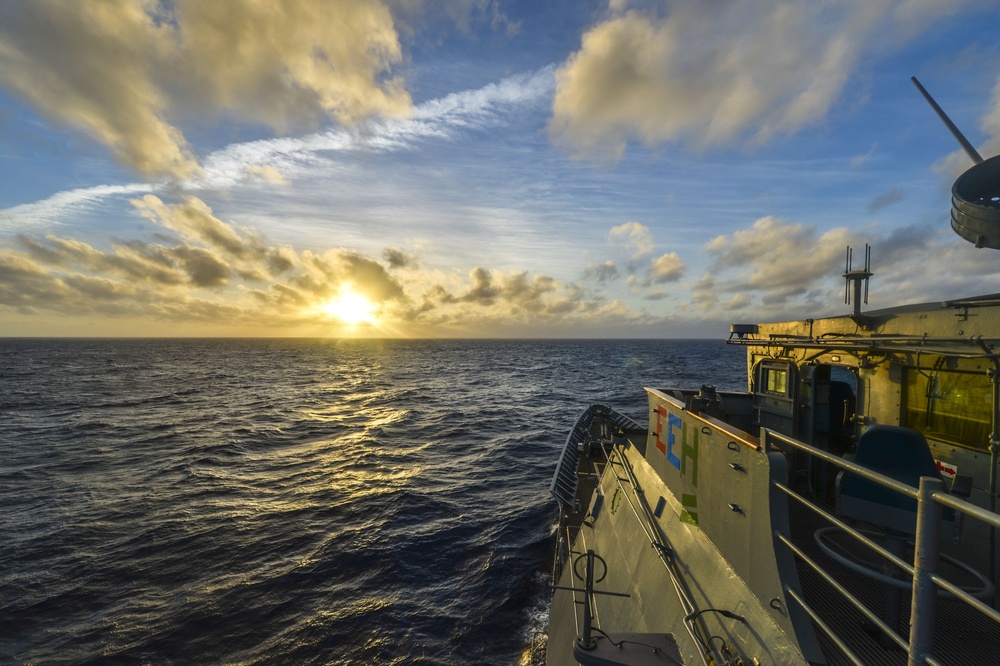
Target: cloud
(281, 160)
(202, 267)
(516, 291)
(88, 66)
(804, 255)
(602, 272)
(492, 300)
(124, 71)
(208, 256)
(241, 248)
(958, 161)
(638, 240)
(667, 268)
(633, 236)
(783, 269)
(895, 195)
(397, 258)
(207, 270)
(289, 64)
(719, 73)
(54, 209)
(266, 174)
(859, 160)
(990, 124)
(705, 292)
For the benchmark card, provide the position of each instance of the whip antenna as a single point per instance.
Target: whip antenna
(957, 133)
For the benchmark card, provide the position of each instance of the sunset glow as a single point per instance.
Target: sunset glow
(351, 308)
(570, 168)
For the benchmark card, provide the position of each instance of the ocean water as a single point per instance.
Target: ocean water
(296, 501)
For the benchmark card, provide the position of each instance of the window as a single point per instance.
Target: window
(956, 407)
(775, 380)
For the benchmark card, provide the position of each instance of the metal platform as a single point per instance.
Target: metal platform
(962, 635)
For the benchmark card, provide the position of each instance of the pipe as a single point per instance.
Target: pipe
(994, 375)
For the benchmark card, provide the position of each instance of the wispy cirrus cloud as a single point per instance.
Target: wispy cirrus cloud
(279, 161)
(894, 195)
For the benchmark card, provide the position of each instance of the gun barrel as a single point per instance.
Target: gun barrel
(969, 149)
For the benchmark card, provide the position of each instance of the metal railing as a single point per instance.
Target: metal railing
(931, 498)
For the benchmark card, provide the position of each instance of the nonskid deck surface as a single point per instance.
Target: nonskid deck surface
(961, 635)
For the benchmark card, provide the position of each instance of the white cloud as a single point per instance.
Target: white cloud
(859, 160)
(53, 210)
(713, 73)
(784, 269)
(633, 236)
(667, 268)
(124, 71)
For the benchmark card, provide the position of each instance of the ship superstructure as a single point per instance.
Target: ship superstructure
(841, 510)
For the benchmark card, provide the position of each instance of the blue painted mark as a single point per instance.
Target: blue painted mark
(671, 456)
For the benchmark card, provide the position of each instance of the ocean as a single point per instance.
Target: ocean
(208, 501)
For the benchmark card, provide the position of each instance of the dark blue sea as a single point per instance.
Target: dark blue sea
(296, 501)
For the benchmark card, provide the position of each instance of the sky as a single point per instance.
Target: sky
(481, 168)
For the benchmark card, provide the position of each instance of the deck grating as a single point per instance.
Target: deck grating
(961, 635)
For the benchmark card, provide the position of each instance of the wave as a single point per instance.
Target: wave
(261, 501)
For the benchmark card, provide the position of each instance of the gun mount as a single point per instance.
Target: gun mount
(975, 204)
(975, 196)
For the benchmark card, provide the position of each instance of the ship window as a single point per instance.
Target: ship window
(775, 380)
(955, 407)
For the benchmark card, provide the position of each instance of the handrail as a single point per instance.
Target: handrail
(930, 497)
(664, 550)
(942, 497)
(869, 615)
(876, 344)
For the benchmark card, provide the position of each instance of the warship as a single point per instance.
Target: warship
(842, 510)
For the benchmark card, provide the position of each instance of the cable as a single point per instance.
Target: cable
(731, 615)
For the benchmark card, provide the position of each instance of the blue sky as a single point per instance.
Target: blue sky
(481, 168)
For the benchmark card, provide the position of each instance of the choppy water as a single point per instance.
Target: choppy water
(296, 501)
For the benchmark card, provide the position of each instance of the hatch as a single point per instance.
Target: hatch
(774, 391)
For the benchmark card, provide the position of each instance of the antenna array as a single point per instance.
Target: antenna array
(857, 279)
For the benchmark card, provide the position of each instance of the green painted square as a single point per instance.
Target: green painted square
(689, 518)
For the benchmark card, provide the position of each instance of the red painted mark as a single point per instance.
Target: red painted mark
(944, 469)
(661, 413)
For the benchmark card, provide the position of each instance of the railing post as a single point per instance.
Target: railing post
(925, 559)
(586, 641)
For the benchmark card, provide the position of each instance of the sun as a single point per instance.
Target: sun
(351, 308)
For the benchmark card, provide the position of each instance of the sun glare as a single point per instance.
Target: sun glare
(351, 308)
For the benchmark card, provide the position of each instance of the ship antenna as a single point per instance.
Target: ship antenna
(957, 133)
(857, 279)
